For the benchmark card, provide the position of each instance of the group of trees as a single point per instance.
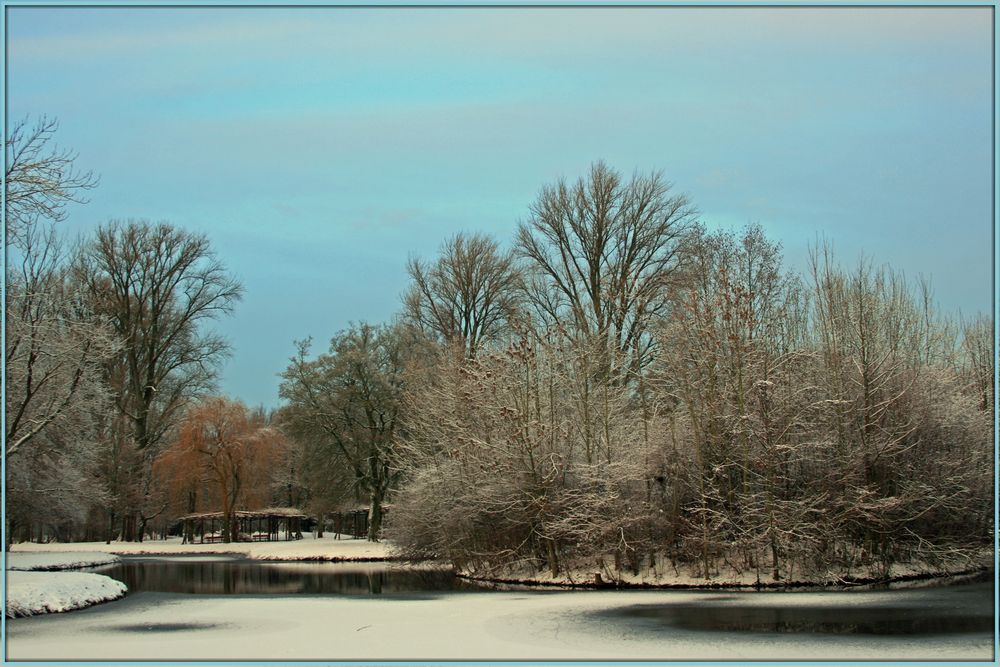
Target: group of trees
(620, 386)
(651, 392)
(105, 350)
(624, 384)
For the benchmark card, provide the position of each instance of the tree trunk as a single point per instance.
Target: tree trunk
(227, 526)
(128, 527)
(775, 574)
(112, 519)
(552, 556)
(375, 516)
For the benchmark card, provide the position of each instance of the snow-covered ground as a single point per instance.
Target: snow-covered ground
(71, 560)
(490, 626)
(309, 548)
(30, 593)
(32, 588)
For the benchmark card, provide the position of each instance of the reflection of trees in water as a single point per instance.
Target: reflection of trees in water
(248, 578)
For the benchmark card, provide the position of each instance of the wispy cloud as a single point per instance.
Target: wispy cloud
(517, 32)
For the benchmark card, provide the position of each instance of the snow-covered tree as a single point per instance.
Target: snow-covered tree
(498, 467)
(56, 344)
(781, 428)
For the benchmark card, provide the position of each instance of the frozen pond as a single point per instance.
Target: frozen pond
(296, 611)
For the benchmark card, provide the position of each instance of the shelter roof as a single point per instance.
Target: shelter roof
(269, 512)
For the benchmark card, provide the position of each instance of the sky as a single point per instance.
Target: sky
(320, 147)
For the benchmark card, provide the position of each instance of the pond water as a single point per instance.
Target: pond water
(222, 575)
(928, 612)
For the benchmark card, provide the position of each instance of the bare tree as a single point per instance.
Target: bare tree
(468, 295)
(497, 464)
(605, 253)
(979, 360)
(40, 178)
(891, 390)
(157, 285)
(730, 351)
(777, 429)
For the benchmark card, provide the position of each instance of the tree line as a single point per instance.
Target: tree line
(617, 385)
(106, 351)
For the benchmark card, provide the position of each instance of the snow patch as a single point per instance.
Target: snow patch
(326, 548)
(30, 593)
(38, 560)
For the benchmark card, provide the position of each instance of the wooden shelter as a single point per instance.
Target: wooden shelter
(264, 525)
(350, 522)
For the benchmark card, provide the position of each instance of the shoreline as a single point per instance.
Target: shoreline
(331, 550)
(972, 575)
(68, 610)
(261, 559)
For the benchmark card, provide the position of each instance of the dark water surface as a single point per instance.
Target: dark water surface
(892, 620)
(946, 610)
(235, 576)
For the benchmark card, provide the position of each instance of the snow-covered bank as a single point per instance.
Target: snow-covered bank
(665, 575)
(30, 593)
(47, 561)
(34, 588)
(323, 549)
(631, 582)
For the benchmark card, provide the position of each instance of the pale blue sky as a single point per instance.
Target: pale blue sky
(319, 147)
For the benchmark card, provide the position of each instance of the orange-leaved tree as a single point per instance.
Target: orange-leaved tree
(222, 444)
